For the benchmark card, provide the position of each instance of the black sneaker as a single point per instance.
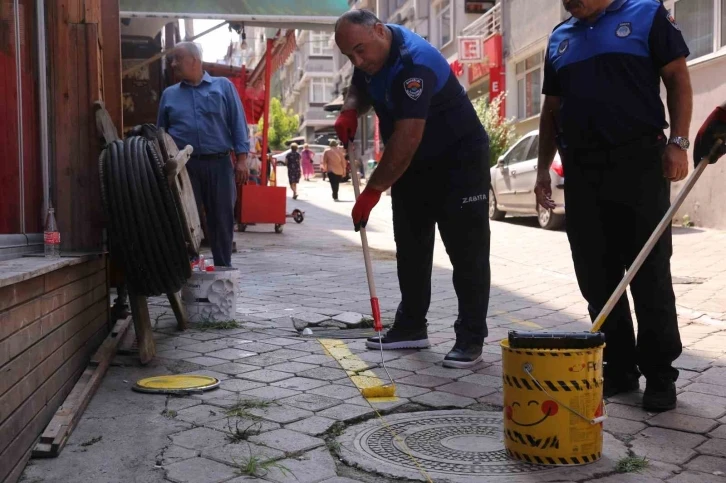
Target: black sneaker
(660, 395)
(400, 339)
(617, 385)
(463, 356)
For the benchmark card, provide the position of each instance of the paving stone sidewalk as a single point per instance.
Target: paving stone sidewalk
(283, 401)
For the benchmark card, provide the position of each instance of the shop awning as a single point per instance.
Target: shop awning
(284, 46)
(288, 14)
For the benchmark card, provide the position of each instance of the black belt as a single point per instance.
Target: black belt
(210, 156)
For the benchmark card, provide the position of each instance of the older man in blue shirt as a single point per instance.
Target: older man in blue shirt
(206, 113)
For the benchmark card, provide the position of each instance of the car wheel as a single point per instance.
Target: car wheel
(494, 213)
(549, 220)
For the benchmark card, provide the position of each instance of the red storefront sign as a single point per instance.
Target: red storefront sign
(471, 50)
(493, 66)
(457, 68)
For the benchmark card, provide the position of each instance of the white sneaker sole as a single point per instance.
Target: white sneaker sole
(404, 344)
(463, 364)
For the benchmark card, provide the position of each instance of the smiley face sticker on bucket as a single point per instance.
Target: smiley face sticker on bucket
(553, 406)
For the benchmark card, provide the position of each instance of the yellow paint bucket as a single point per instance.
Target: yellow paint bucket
(553, 404)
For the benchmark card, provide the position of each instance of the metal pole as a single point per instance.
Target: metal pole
(266, 112)
(19, 86)
(43, 98)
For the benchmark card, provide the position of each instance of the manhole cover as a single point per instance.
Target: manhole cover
(448, 445)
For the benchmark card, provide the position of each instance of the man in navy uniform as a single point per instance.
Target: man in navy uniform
(436, 163)
(603, 111)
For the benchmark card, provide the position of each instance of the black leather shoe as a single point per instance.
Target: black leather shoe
(463, 356)
(660, 395)
(617, 385)
(400, 339)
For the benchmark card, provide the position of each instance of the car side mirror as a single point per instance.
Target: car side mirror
(500, 162)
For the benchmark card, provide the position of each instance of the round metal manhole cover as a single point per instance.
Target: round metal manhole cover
(446, 445)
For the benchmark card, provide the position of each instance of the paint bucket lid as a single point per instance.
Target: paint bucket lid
(176, 384)
(555, 340)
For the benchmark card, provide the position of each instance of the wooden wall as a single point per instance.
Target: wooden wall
(49, 328)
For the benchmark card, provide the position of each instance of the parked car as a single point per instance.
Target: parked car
(316, 148)
(513, 180)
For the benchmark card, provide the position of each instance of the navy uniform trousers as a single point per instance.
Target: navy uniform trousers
(215, 188)
(614, 200)
(451, 192)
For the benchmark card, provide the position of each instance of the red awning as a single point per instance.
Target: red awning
(284, 47)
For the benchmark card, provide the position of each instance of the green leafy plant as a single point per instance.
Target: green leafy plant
(283, 124)
(217, 325)
(257, 467)
(501, 131)
(631, 464)
(240, 409)
(243, 428)
(169, 413)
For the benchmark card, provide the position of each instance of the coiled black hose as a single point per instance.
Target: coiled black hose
(144, 225)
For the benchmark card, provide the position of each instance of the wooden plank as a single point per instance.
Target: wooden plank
(51, 301)
(66, 380)
(14, 425)
(19, 317)
(37, 330)
(29, 383)
(19, 468)
(179, 311)
(111, 46)
(12, 295)
(66, 275)
(142, 326)
(21, 368)
(69, 413)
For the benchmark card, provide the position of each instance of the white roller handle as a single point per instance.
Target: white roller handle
(363, 237)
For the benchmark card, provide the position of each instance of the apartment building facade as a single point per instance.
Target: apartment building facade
(306, 83)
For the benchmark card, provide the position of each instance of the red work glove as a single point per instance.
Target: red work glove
(346, 125)
(713, 128)
(363, 206)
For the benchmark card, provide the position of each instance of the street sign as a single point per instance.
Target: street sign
(477, 6)
(471, 50)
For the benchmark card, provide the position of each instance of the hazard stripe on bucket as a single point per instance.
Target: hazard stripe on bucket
(547, 352)
(555, 386)
(534, 442)
(546, 460)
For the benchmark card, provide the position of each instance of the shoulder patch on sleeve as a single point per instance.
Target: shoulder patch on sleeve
(413, 87)
(672, 20)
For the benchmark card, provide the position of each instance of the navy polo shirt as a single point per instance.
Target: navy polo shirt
(607, 73)
(418, 83)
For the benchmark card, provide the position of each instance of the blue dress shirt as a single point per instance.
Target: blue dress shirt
(209, 116)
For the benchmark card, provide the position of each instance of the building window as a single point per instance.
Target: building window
(320, 44)
(703, 23)
(444, 23)
(529, 86)
(321, 91)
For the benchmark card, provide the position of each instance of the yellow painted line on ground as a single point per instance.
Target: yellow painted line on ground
(525, 323)
(355, 367)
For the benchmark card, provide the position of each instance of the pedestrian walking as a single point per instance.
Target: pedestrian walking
(334, 165)
(206, 113)
(603, 110)
(308, 167)
(436, 163)
(293, 168)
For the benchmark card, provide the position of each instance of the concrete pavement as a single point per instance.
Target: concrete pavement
(286, 399)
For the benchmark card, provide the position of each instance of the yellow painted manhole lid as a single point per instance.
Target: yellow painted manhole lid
(176, 384)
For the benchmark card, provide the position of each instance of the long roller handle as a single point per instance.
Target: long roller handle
(375, 307)
(654, 237)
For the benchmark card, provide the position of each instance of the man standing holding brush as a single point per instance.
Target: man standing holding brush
(436, 163)
(603, 111)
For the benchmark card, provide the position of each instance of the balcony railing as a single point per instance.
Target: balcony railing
(487, 25)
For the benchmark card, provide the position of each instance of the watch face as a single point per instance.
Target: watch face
(685, 144)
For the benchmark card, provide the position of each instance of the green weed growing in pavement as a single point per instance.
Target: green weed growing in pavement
(631, 464)
(333, 446)
(169, 413)
(240, 410)
(251, 427)
(366, 322)
(257, 467)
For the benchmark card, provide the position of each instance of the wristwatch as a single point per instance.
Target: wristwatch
(680, 141)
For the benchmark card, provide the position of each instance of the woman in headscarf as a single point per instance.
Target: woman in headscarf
(307, 162)
(293, 169)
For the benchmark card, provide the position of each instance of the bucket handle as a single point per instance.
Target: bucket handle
(528, 369)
